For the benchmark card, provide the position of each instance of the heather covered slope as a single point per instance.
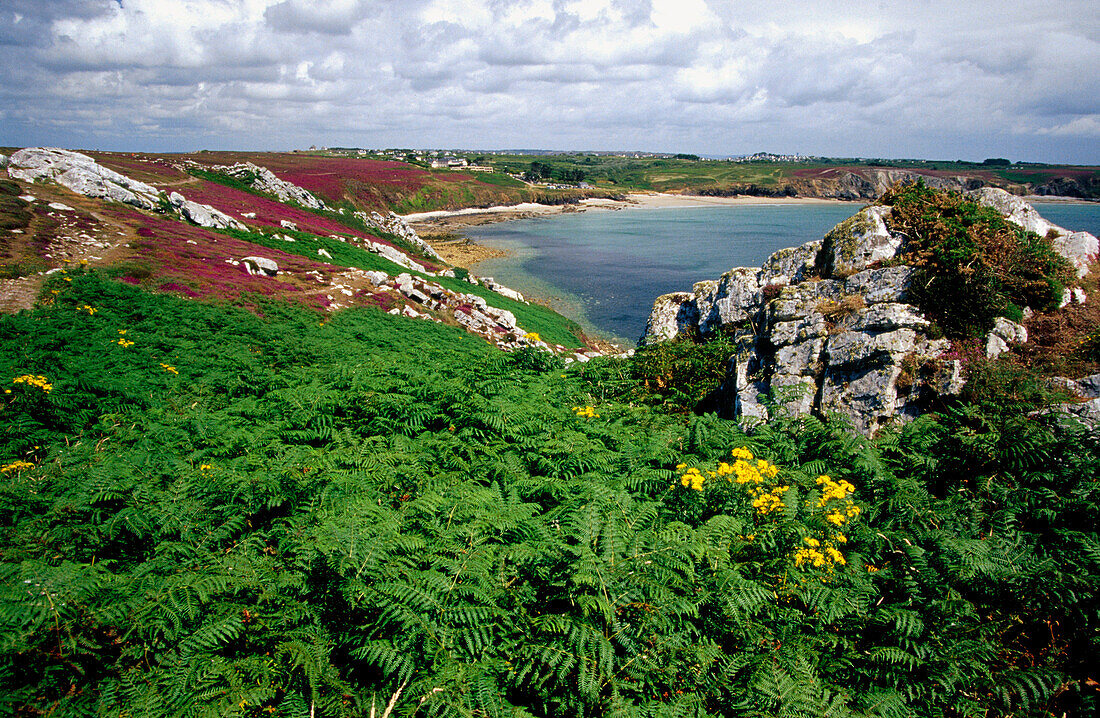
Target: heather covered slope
(233, 244)
(363, 184)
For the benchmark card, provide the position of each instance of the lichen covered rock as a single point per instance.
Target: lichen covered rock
(825, 328)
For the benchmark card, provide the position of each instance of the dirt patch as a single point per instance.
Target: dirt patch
(459, 250)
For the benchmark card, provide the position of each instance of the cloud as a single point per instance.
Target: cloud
(866, 77)
(325, 17)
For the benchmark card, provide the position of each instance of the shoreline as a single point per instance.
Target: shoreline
(442, 228)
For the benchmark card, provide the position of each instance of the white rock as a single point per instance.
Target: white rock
(1003, 332)
(790, 265)
(287, 224)
(1080, 248)
(203, 214)
(671, 314)
(859, 241)
(81, 174)
(60, 207)
(323, 253)
(264, 180)
(257, 265)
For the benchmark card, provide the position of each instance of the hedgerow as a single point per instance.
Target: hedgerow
(296, 514)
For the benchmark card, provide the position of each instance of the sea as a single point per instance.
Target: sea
(603, 269)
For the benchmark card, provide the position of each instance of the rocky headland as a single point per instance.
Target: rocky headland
(829, 327)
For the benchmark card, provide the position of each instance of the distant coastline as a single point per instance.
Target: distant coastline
(443, 228)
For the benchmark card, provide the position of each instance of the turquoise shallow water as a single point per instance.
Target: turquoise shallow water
(604, 269)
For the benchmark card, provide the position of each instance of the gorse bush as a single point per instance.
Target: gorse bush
(296, 515)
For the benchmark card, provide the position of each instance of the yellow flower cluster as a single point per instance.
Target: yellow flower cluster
(123, 343)
(743, 470)
(818, 555)
(587, 412)
(206, 470)
(16, 466)
(34, 380)
(692, 478)
(766, 502)
(838, 509)
(836, 491)
(87, 308)
(169, 369)
(532, 337)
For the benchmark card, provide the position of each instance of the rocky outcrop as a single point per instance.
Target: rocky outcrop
(85, 176)
(82, 175)
(3, 161)
(262, 179)
(1080, 248)
(397, 226)
(826, 327)
(1087, 407)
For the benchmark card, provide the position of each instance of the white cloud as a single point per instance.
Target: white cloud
(869, 77)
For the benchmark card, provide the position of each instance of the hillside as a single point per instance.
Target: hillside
(236, 490)
(850, 179)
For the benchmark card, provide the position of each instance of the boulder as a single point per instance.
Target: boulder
(1080, 248)
(260, 265)
(671, 315)
(203, 214)
(3, 161)
(1003, 333)
(859, 241)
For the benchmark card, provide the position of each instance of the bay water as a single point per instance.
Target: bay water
(605, 268)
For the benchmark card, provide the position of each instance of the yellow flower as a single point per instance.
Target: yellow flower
(170, 369)
(532, 337)
(16, 466)
(36, 380)
(742, 453)
(124, 343)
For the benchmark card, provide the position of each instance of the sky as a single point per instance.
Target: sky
(1018, 79)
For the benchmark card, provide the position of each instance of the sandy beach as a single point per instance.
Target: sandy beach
(443, 229)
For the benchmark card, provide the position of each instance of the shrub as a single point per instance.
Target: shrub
(972, 264)
(682, 373)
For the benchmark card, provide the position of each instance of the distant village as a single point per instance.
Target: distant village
(444, 159)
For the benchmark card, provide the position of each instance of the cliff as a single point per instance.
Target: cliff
(832, 325)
